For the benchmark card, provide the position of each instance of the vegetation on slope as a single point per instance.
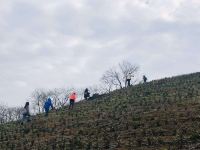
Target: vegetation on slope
(162, 114)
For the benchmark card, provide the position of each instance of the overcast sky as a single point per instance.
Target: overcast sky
(64, 43)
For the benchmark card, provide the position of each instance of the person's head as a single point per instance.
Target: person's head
(49, 99)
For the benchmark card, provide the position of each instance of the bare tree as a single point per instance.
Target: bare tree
(59, 96)
(96, 89)
(116, 77)
(39, 96)
(3, 113)
(107, 82)
(17, 112)
(8, 114)
(54, 94)
(111, 78)
(127, 68)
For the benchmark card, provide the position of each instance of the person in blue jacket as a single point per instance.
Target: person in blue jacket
(47, 105)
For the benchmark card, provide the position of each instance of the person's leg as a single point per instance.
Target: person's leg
(46, 112)
(128, 80)
(24, 117)
(70, 104)
(28, 118)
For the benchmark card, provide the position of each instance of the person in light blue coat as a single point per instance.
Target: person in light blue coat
(47, 105)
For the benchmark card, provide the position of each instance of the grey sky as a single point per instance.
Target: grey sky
(51, 44)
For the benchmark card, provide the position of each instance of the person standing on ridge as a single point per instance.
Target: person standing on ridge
(128, 79)
(86, 94)
(144, 78)
(47, 105)
(72, 98)
(26, 112)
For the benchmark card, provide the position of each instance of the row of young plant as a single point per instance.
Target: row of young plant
(150, 116)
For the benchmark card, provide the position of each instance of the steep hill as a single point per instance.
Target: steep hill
(162, 114)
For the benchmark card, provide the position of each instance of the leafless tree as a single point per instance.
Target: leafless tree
(116, 77)
(126, 68)
(111, 78)
(39, 96)
(18, 112)
(96, 89)
(54, 94)
(8, 114)
(3, 113)
(57, 95)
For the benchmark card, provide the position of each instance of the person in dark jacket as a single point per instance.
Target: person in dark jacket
(144, 78)
(86, 94)
(26, 112)
(47, 105)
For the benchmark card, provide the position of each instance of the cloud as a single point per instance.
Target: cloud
(20, 83)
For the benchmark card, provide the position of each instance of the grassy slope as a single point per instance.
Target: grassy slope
(163, 114)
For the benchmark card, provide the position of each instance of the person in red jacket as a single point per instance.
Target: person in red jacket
(72, 98)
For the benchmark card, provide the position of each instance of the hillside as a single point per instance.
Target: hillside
(162, 114)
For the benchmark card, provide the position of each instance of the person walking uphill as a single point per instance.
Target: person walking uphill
(86, 94)
(72, 99)
(47, 105)
(144, 79)
(26, 112)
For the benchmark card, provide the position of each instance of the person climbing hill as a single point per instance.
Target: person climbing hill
(26, 113)
(86, 94)
(72, 98)
(144, 78)
(47, 105)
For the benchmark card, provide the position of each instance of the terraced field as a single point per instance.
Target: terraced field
(159, 115)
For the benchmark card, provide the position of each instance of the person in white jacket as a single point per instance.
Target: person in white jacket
(128, 79)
